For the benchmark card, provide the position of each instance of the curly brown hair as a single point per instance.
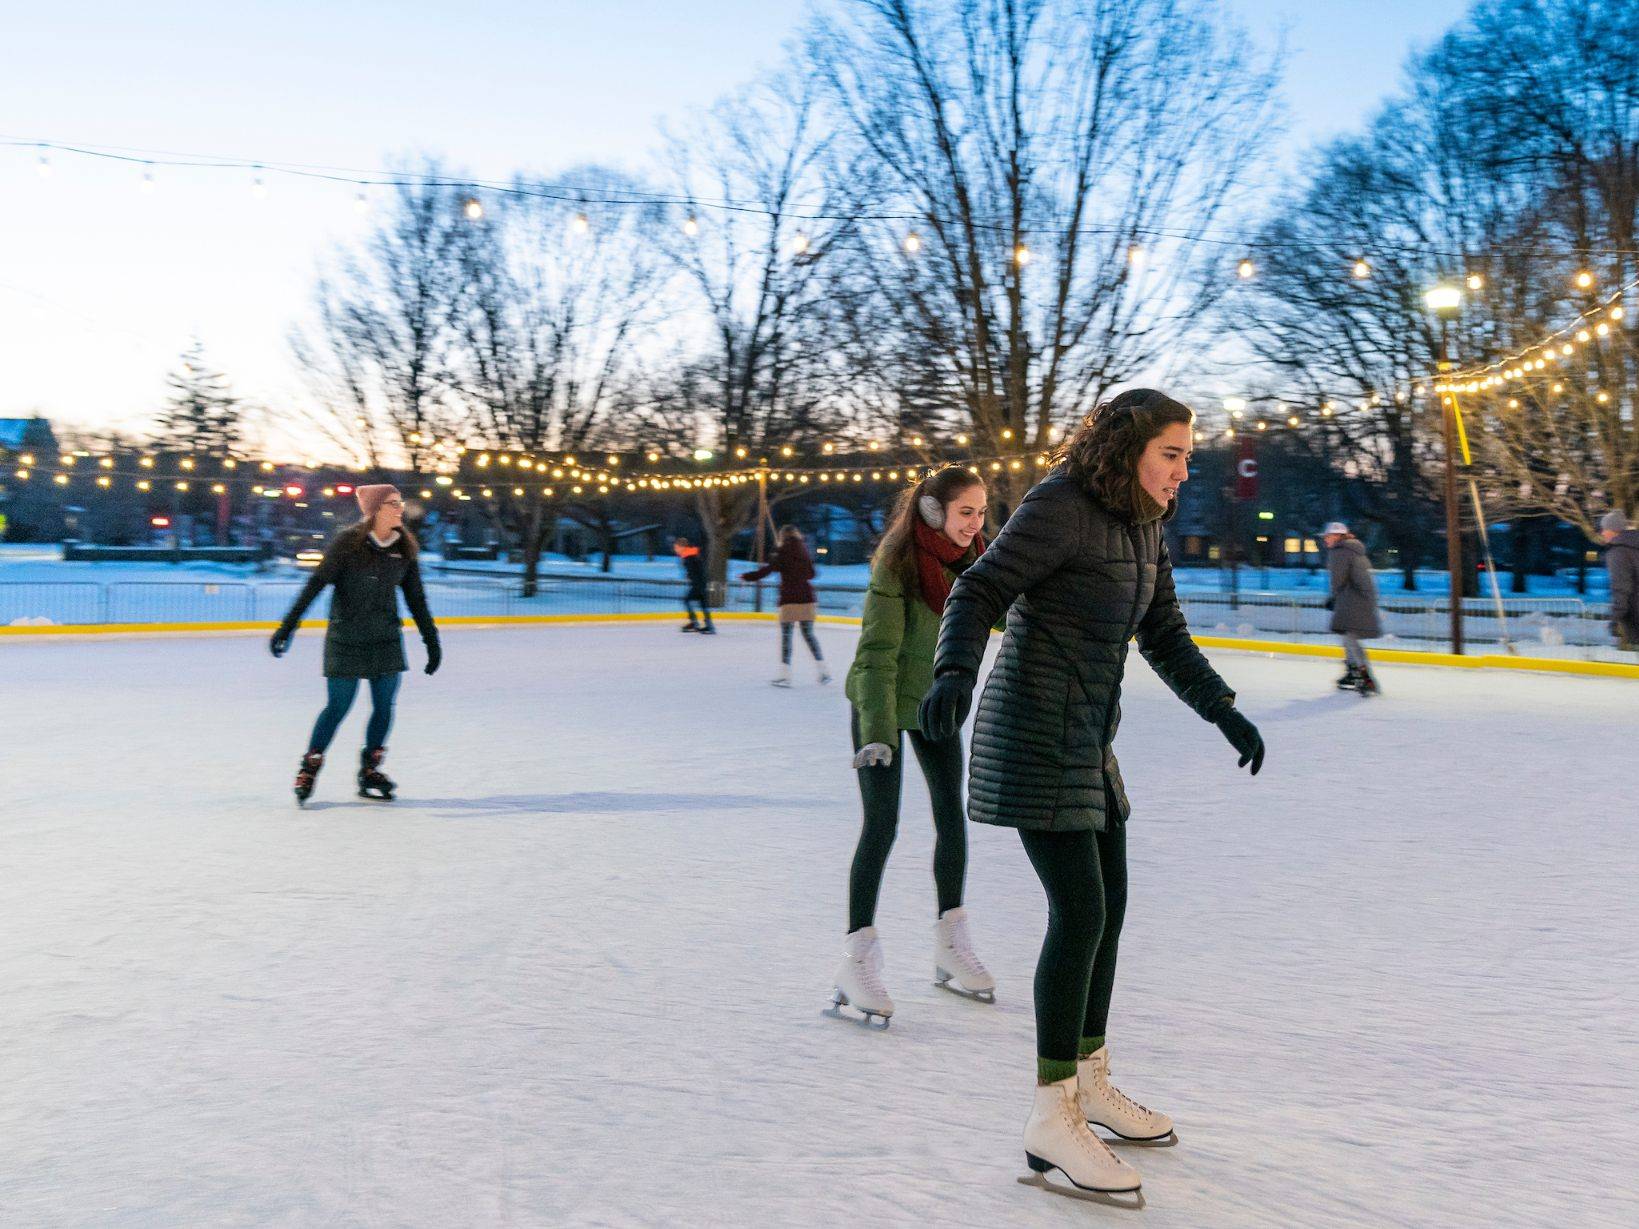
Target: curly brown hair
(1102, 454)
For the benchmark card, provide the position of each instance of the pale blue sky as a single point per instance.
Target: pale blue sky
(101, 285)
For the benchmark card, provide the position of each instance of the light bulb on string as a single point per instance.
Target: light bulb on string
(691, 226)
(581, 224)
(1584, 280)
(799, 244)
(1361, 269)
(1021, 255)
(1476, 281)
(361, 203)
(472, 209)
(148, 183)
(42, 166)
(258, 185)
(1246, 270)
(913, 243)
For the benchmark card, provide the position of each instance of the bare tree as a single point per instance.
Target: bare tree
(1038, 163)
(754, 378)
(380, 353)
(561, 305)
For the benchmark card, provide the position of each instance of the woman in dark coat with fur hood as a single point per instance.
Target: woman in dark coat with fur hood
(1081, 569)
(368, 563)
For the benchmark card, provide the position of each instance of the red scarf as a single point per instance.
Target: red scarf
(934, 553)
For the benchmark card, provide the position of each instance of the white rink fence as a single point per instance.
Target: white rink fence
(1549, 626)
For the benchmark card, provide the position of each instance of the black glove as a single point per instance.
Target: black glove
(1331, 603)
(281, 641)
(1244, 737)
(946, 705)
(435, 655)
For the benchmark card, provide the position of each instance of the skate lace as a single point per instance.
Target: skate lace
(1122, 1101)
(869, 968)
(962, 945)
(1089, 1140)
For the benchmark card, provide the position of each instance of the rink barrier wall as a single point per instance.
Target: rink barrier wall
(1411, 657)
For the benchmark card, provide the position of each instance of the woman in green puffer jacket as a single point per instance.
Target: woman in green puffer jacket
(932, 536)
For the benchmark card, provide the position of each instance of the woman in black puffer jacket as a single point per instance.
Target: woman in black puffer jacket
(368, 564)
(1081, 569)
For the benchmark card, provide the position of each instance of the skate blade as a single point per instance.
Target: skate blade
(977, 996)
(1129, 1201)
(1117, 1140)
(864, 1019)
(375, 797)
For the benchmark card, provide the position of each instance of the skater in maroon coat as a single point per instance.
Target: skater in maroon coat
(798, 604)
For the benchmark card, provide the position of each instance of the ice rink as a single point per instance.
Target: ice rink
(575, 974)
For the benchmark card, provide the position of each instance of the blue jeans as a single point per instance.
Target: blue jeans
(383, 688)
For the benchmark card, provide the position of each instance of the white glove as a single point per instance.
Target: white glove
(874, 755)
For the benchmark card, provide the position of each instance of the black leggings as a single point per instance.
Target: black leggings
(807, 635)
(1085, 876)
(879, 791)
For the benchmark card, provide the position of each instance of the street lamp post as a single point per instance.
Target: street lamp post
(1445, 302)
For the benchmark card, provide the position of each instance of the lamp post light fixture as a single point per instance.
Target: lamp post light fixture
(1445, 301)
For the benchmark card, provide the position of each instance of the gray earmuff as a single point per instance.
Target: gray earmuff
(931, 511)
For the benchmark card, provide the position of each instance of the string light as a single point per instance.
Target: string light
(1021, 255)
(1246, 270)
(472, 209)
(691, 226)
(1362, 270)
(913, 243)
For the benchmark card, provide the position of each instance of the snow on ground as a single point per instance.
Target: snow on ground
(575, 974)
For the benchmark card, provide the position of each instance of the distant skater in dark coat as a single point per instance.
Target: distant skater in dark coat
(1353, 603)
(694, 568)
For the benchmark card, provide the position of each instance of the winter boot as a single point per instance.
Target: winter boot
(1105, 1105)
(859, 977)
(307, 774)
(373, 783)
(783, 678)
(954, 961)
(1057, 1137)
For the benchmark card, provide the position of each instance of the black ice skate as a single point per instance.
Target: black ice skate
(1350, 680)
(1367, 685)
(307, 774)
(373, 783)
(690, 626)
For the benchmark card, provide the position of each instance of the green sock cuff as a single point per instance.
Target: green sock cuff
(1089, 1045)
(1052, 1070)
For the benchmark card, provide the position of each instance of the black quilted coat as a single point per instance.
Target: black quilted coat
(1081, 582)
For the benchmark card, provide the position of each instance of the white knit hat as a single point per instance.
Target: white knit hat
(1334, 527)
(1614, 521)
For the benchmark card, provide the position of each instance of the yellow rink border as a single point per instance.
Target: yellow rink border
(1410, 657)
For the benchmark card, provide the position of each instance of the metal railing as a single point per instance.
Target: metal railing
(1542, 625)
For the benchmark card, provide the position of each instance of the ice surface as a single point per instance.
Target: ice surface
(575, 975)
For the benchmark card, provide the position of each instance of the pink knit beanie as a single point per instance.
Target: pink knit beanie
(372, 497)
